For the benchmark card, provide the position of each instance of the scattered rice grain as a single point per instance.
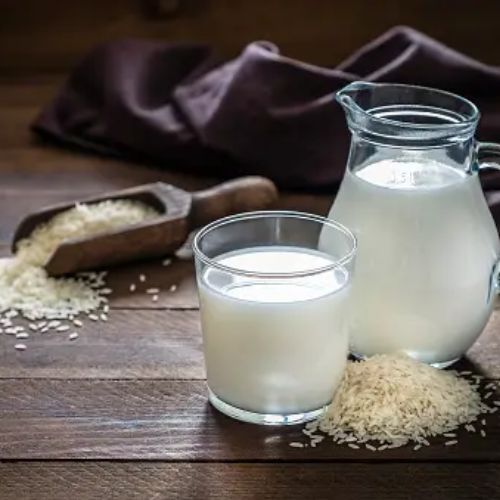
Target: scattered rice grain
(27, 290)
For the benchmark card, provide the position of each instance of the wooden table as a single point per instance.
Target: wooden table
(122, 412)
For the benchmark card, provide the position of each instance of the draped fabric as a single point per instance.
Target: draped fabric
(181, 107)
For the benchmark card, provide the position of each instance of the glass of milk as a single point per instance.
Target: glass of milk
(428, 249)
(273, 313)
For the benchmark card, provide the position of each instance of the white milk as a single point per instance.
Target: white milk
(426, 248)
(275, 347)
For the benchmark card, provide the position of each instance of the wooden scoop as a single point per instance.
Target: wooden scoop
(180, 213)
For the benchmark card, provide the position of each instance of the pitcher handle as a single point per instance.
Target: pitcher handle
(495, 280)
(487, 155)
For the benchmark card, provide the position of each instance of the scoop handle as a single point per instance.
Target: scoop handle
(244, 194)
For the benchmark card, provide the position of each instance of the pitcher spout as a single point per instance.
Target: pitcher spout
(351, 96)
(407, 115)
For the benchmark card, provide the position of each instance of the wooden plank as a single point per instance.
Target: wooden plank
(137, 325)
(50, 35)
(15, 126)
(172, 420)
(132, 344)
(484, 355)
(29, 90)
(156, 343)
(250, 481)
(176, 282)
(50, 170)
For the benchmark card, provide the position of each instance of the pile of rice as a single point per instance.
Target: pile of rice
(27, 290)
(84, 220)
(388, 401)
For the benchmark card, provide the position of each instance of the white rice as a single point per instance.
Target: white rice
(393, 400)
(84, 220)
(25, 287)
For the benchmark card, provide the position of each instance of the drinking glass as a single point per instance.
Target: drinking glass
(273, 313)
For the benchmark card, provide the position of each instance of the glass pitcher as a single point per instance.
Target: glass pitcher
(426, 271)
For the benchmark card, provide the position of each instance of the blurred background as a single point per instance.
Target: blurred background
(45, 36)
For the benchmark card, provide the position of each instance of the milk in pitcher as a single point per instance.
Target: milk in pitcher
(423, 280)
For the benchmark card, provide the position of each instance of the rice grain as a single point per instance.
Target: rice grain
(394, 399)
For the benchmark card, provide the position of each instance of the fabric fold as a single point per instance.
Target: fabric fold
(260, 113)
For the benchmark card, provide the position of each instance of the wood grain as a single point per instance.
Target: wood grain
(132, 388)
(172, 420)
(51, 35)
(49, 169)
(155, 344)
(248, 481)
(160, 342)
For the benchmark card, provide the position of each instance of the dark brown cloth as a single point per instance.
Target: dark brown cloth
(261, 113)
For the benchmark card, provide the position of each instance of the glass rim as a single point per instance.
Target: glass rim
(262, 214)
(467, 120)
